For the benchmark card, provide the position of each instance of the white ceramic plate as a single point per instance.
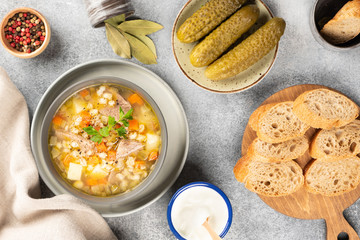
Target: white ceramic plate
(240, 82)
(161, 94)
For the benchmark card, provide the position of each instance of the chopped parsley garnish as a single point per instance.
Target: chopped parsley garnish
(97, 136)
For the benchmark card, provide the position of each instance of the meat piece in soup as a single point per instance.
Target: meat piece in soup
(105, 140)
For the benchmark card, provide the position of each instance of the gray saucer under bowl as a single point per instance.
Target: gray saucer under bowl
(168, 108)
(321, 13)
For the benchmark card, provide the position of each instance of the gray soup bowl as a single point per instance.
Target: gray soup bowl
(116, 205)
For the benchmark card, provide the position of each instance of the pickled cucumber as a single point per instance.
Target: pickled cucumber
(207, 18)
(248, 52)
(223, 36)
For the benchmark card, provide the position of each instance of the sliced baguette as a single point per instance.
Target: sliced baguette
(333, 178)
(269, 179)
(337, 143)
(255, 116)
(276, 152)
(279, 124)
(345, 25)
(323, 108)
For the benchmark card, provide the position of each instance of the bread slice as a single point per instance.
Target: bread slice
(276, 152)
(269, 179)
(337, 143)
(279, 124)
(255, 116)
(345, 25)
(323, 108)
(333, 178)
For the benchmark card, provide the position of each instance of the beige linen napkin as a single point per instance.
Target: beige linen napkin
(23, 215)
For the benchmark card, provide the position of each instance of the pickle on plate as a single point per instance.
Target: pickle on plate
(223, 36)
(206, 19)
(248, 52)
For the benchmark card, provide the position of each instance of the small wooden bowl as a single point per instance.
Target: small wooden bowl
(6, 43)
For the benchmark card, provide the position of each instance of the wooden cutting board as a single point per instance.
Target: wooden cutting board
(302, 204)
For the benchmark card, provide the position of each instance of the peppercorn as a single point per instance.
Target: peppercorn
(25, 32)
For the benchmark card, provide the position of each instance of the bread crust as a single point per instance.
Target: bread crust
(302, 111)
(241, 169)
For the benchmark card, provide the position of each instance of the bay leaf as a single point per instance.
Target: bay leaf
(140, 27)
(139, 50)
(115, 21)
(118, 42)
(148, 42)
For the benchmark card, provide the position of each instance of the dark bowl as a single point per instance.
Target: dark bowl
(321, 13)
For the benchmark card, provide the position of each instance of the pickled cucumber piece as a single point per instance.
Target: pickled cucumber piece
(248, 52)
(206, 19)
(223, 36)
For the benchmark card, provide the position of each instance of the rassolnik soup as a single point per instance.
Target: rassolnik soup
(105, 140)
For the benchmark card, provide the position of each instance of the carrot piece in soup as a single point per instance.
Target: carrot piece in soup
(153, 156)
(101, 147)
(102, 181)
(93, 160)
(112, 155)
(86, 118)
(139, 163)
(91, 182)
(57, 120)
(134, 98)
(67, 160)
(117, 126)
(84, 92)
(133, 125)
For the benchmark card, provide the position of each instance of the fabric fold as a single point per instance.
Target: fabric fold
(22, 212)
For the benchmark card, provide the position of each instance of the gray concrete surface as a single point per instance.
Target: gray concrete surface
(216, 121)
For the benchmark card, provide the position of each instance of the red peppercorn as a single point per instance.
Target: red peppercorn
(14, 26)
(27, 21)
(16, 40)
(28, 40)
(34, 24)
(42, 38)
(10, 36)
(22, 33)
(10, 29)
(19, 23)
(27, 30)
(30, 25)
(13, 44)
(17, 37)
(37, 43)
(25, 15)
(39, 33)
(21, 39)
(28, 51)
(13, 31)
(25, 43)
(7, 36)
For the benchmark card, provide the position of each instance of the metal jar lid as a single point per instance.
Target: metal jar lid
(100, 10)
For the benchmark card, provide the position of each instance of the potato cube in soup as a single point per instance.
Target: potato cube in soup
(98, 173)
(75, 171)
(152, 141)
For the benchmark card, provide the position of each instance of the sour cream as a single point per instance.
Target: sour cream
(192, 205)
